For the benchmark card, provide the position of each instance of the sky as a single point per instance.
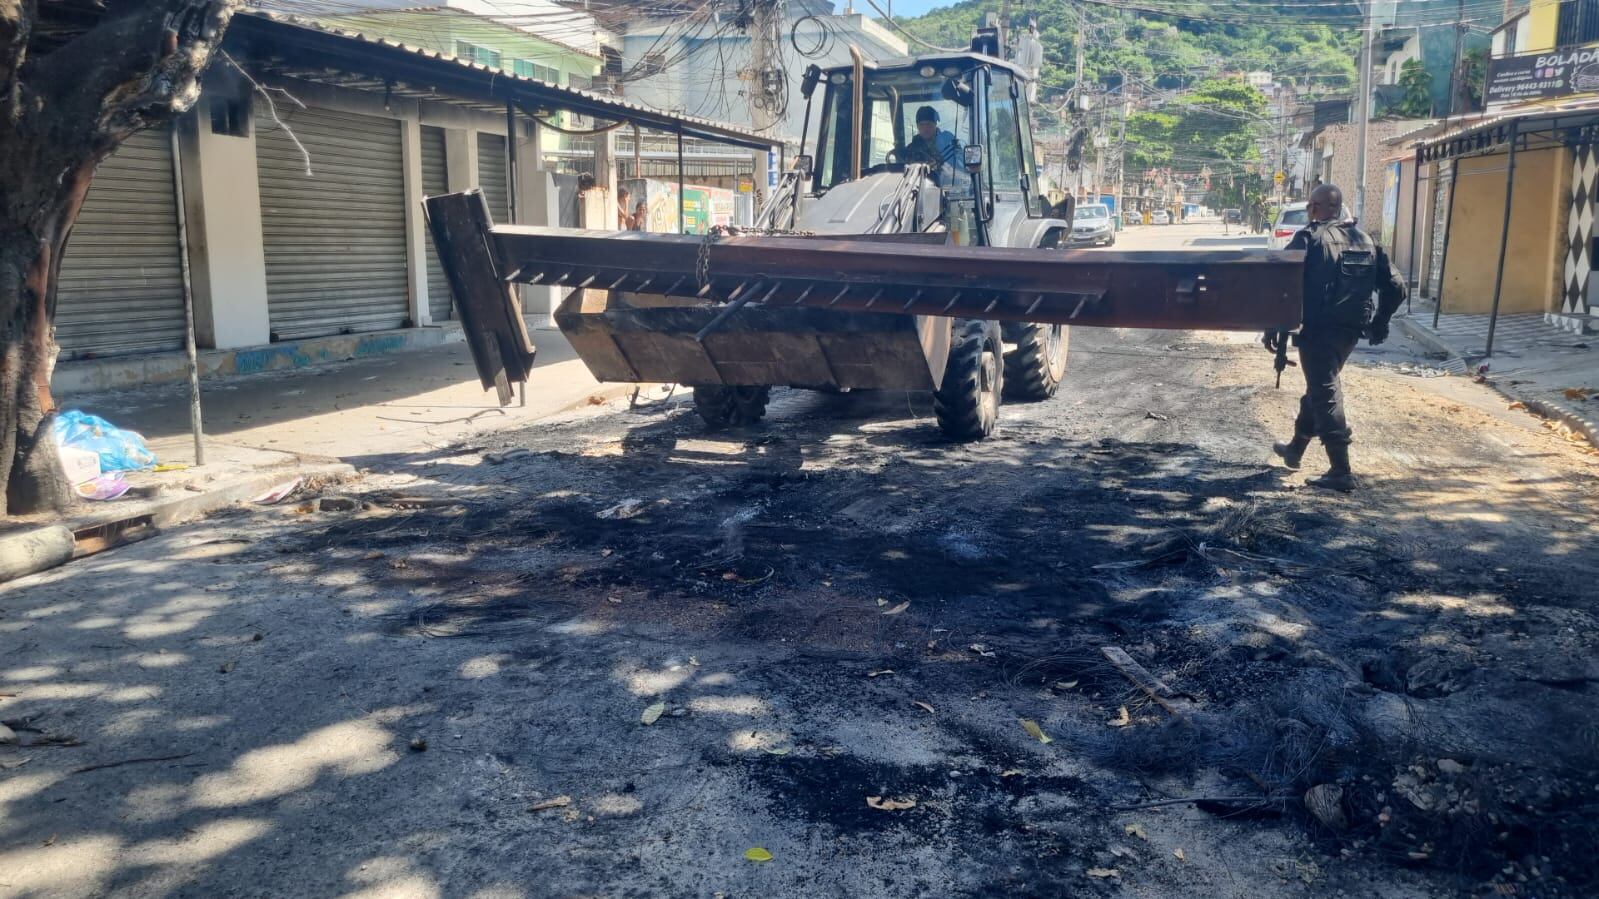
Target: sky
(901, 8)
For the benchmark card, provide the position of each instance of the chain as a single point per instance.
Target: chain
(702, 263)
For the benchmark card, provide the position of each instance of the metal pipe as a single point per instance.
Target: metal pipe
(1415, 197)
(638, 160)
(681, 217)
(1504, 239)
(510, 203)
(1449, 224)
(195, 424)
(1366, 40)
(510, 160)
(857, 100)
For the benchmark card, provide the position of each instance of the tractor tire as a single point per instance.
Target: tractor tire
(723, 407)
(1033, 370)
(967, 400)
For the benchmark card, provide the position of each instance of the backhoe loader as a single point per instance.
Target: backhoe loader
(880, 261)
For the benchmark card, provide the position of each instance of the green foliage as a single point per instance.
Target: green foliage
(1475, 62)
(1159, 51)
(1192, 117)
(1416, 84)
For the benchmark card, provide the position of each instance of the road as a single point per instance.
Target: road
(633, 654)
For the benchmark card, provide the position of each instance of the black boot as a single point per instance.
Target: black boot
(1291, 451)
(1338, 477)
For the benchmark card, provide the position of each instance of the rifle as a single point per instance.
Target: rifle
(1281, 362)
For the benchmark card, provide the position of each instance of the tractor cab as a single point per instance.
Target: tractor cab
(956, 124)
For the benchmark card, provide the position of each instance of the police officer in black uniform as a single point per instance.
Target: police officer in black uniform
(1344, 268)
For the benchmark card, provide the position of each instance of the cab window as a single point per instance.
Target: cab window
(1004, 135)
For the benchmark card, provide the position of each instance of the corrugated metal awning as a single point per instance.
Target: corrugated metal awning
(1563, 123)
(311, 51)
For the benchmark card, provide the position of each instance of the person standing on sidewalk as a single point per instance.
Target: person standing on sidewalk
(1344, 268)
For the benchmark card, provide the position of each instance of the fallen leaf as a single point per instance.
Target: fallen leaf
(1036, 732)
(1573, 393)
(924, 705)
(1518, 405)
(653, 713)
(1065, 684)
(1326, 803)
(1179, 853)
(729, 576)
(880, 601)
(1010, 772)
(1136, 830)
(1104, 872)
(880, 673)
(1121, 720)
(52, 840)
(757, 854)
(605, 552)
(1121, 852)
(776, 750)
(891, 805)
(547, 804)
(982, 650)
(898, 609)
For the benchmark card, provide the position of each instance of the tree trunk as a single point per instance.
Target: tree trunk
(31, 246)
(69, 94)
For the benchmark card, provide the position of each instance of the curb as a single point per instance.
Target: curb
(1427, 337)
(1544, 408)
(1587, 427)
(163, 511)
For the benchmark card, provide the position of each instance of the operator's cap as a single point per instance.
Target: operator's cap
(926, 114)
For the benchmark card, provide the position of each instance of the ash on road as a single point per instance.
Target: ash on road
(449, 700)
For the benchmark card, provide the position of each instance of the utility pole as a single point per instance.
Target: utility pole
(1282, 115)
(765, 88)
(1077, 86)
(1365, 110)
(1121, 161)
(1457, 75)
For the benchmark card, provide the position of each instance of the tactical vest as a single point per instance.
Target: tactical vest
(1340, 275)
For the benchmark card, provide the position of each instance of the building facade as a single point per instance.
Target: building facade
(298, 181)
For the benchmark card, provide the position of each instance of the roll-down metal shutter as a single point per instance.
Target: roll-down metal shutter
(121, 287)
(335, 241)
(491, 176)
(435, 181)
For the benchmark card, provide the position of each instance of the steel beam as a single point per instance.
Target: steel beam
(1225, 290)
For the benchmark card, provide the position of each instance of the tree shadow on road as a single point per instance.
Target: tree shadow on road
(825, 606)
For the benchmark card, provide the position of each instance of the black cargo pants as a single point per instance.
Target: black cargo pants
(1322, 354)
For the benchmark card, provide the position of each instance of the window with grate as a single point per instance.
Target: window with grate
(1578, 23)
(527, 68)
(483, 56)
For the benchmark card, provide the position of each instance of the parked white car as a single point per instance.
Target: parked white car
(1160, 217)
(1291, 219)
(1092, 226)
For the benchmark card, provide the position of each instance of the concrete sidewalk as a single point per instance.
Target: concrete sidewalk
(321, 422)
(1554, 372)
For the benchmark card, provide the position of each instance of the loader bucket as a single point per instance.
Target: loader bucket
(650, 338)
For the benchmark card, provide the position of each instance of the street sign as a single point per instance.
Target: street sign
(1533, 76)
(1278, 178)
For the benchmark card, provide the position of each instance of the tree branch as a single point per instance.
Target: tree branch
(147, 60)
(16, 27)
